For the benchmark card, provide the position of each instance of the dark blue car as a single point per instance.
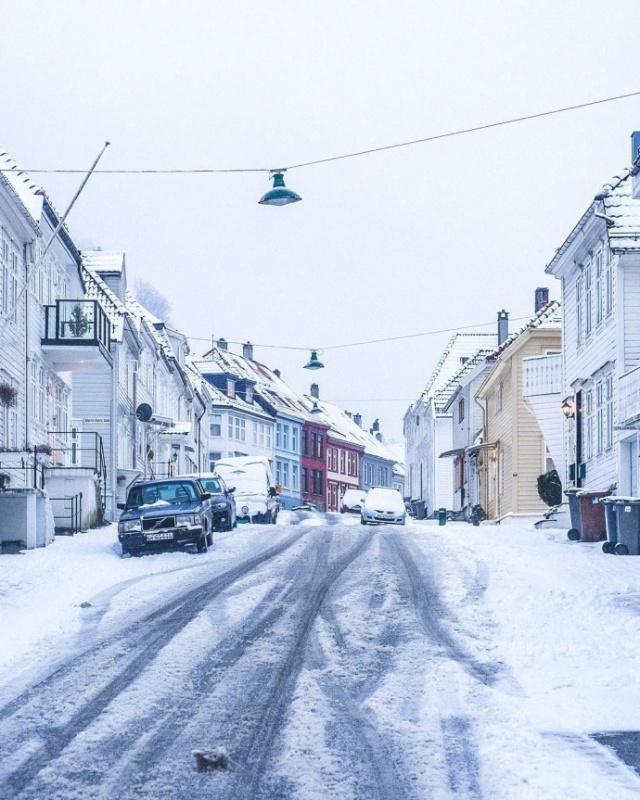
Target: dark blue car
(166, 514)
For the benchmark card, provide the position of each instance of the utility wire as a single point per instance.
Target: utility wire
(362, 343)
(355, 154)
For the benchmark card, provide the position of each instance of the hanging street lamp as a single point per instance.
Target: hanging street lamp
(279, 195)
(316, 408)
(314, 362)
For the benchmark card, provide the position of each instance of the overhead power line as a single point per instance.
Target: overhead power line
(339, 157)
(361, 343)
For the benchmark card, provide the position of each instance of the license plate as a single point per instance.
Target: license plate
(154, 537)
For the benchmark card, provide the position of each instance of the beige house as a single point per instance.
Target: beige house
(513, 453)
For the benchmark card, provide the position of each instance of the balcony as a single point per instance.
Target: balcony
(77, 333)
(541, 375)
(629, 400)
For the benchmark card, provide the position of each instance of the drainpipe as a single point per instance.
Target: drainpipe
(199, 429)
(484, 436)
(27, 359)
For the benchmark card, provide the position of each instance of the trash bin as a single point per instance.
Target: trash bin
(611, 507)
(574, 513)
(442, 516)
(586, 510)
(628, 510)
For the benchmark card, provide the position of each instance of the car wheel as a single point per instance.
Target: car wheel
(274, 518)
(203, 544)
(210, 539)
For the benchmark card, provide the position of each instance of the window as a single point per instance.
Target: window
(248, 395)
(285, 437)
(600, 412)
(294, 476)
(279, 473)
(461, 409)
(317, 482)
(295, 434)
(278, 435)
(599, 288)
(316, 445)
(608, 281)
(231, 387)
(285, 473)
(579, 320)
(352, 466)
(255, 433)
(329, 452)
(343, 465)
(588, 408)
(305, 479)
(501, 472)
(588, 318)
(267, 436)
(237, 428)
(334, 459)
(305, 442)
(497, 399)
(608, 397)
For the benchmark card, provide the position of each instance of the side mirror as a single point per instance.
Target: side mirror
(231, 489)
(205, 496)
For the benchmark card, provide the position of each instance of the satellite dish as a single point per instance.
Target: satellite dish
(144, 412)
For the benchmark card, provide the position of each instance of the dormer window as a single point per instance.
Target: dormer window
(231, 388)
(249, 393)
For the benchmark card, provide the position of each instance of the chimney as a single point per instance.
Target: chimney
(315, 391)
(376, 426)
(503, 326)
(222, 344)
(542, 298)
(357, 418)
(635, 147)
(379, 436)
(276, 372)
(247, 351)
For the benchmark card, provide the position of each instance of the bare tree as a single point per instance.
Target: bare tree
(152, 299)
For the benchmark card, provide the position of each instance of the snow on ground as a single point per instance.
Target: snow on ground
(42, 590)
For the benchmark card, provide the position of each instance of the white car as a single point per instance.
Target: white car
(352, 500)
(255, 492)
(383, 506)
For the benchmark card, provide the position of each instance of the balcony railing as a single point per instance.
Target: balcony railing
(629, 398)
(541, 375)
(77, 322)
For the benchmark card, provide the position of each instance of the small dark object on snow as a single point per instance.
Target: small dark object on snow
(550, 488)
(85, 604)
(212, 760)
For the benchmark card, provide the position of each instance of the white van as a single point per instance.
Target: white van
(255, 490)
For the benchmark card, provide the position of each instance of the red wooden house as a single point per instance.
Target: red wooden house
(313, 462)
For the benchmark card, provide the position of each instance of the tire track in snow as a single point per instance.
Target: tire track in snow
(170, 620)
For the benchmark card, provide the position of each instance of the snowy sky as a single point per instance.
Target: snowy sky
(428, 237)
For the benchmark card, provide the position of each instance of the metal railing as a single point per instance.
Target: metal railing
(77, 322)
(541, 375)
(70, 520)
(82, 450)
(30, 470)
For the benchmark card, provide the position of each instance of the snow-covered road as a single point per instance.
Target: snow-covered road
(329, 660)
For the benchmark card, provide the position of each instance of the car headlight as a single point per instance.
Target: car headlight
(245, 509)
(188, 519)
(129, 526)
(221, 505)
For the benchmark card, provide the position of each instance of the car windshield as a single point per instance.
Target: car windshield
(211, 485)
(162, 493)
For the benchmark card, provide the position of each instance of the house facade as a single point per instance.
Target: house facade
(313, 469)
(428, 427)
(598, 266)
(513, 453)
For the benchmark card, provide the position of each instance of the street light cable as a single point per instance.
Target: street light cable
(354, 154)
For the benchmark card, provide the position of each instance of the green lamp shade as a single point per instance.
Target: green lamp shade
(314, 361)
(279, 195)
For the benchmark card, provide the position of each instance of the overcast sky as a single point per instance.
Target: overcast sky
(429, 237)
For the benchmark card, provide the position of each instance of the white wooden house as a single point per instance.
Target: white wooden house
(428, 427)
(599, 269)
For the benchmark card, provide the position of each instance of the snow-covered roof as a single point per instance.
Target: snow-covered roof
(30, 195)
(460, 347)
(218, 397)
(622, 216)
(550, 316)
(268, 385)
(103, 260)
(443, 397)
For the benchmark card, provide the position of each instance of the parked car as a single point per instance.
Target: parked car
(166, 514)
(352, 501)
(222, 499)
(383, 505)
(255, 489)
(305, 507)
